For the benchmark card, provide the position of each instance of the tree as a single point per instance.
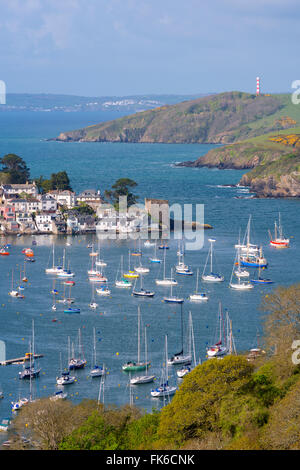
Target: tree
(282, 326)
(46, 423)
(60, 181)
(39, 184)
(122, 188)
(283, 429)
(16, 168)
(195, 408)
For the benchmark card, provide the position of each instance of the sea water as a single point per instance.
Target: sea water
(152, 166)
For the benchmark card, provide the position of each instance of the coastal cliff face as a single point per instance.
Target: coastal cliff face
(221, 118)
(273, 161)
(239, 156)
(285, 186)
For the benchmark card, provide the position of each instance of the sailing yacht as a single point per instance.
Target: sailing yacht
(29, 370)
(148, 244)
(211, 277)
(218, 349)
(247, 247)
(93, 304)
(13, 292)
(96, 371)
(123, 283)
(279, 240)
(181, 267)
(164, 389)
(65, 272)
(184, 370)
(172, 298)
(238, 285)
(198, 296)
(251, 255)
(180, 358)
(154, 259)
(254, 261)
(142, 292)
(141, 269)
(24, 401)
(147, 378)
(130, 274)
(59, 395)
(260, 279)
(55, 269)
(65, 378)
(78, 362)
(133, 366)
(104, 291)
(100, 262)
(165, 281)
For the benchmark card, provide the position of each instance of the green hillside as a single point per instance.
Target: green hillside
(274, 161)
(221, 118)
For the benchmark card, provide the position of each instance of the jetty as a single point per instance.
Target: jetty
(19, 360)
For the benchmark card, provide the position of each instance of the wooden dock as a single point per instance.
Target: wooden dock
(19, 360)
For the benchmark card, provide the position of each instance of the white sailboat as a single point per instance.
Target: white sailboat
(211, 276)
(181, 267)
(165, 281)
(96, 371)
(164, 389)
(13, 292)
(100, 262)
(65, 273)
(143, 379)
(78, 362)
(235, 279)
(140, 268)
(93, 304)
(154, 259)
(65, 378)
(186, 369)
(219, 349)
(173, 298)
(17, 405)
(247, 246)
(122, 282)
(55, 269)
(198, 296)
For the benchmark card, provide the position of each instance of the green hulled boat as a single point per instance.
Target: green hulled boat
(132, 366)
(135, 366)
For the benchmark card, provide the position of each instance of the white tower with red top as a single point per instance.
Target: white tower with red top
(257, 86)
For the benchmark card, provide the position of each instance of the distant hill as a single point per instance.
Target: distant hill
(221, 118)
(70, 103)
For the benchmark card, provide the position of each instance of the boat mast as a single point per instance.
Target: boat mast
(139, 325)
(181, 314)
(146, 352)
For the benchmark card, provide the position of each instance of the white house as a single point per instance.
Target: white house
(28, 188)
(64, 198)
(47, 203)
(25, 205)
(44, 222)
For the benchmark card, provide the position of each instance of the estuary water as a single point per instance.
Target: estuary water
(98, 165)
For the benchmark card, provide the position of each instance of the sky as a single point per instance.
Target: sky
(126, 47)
